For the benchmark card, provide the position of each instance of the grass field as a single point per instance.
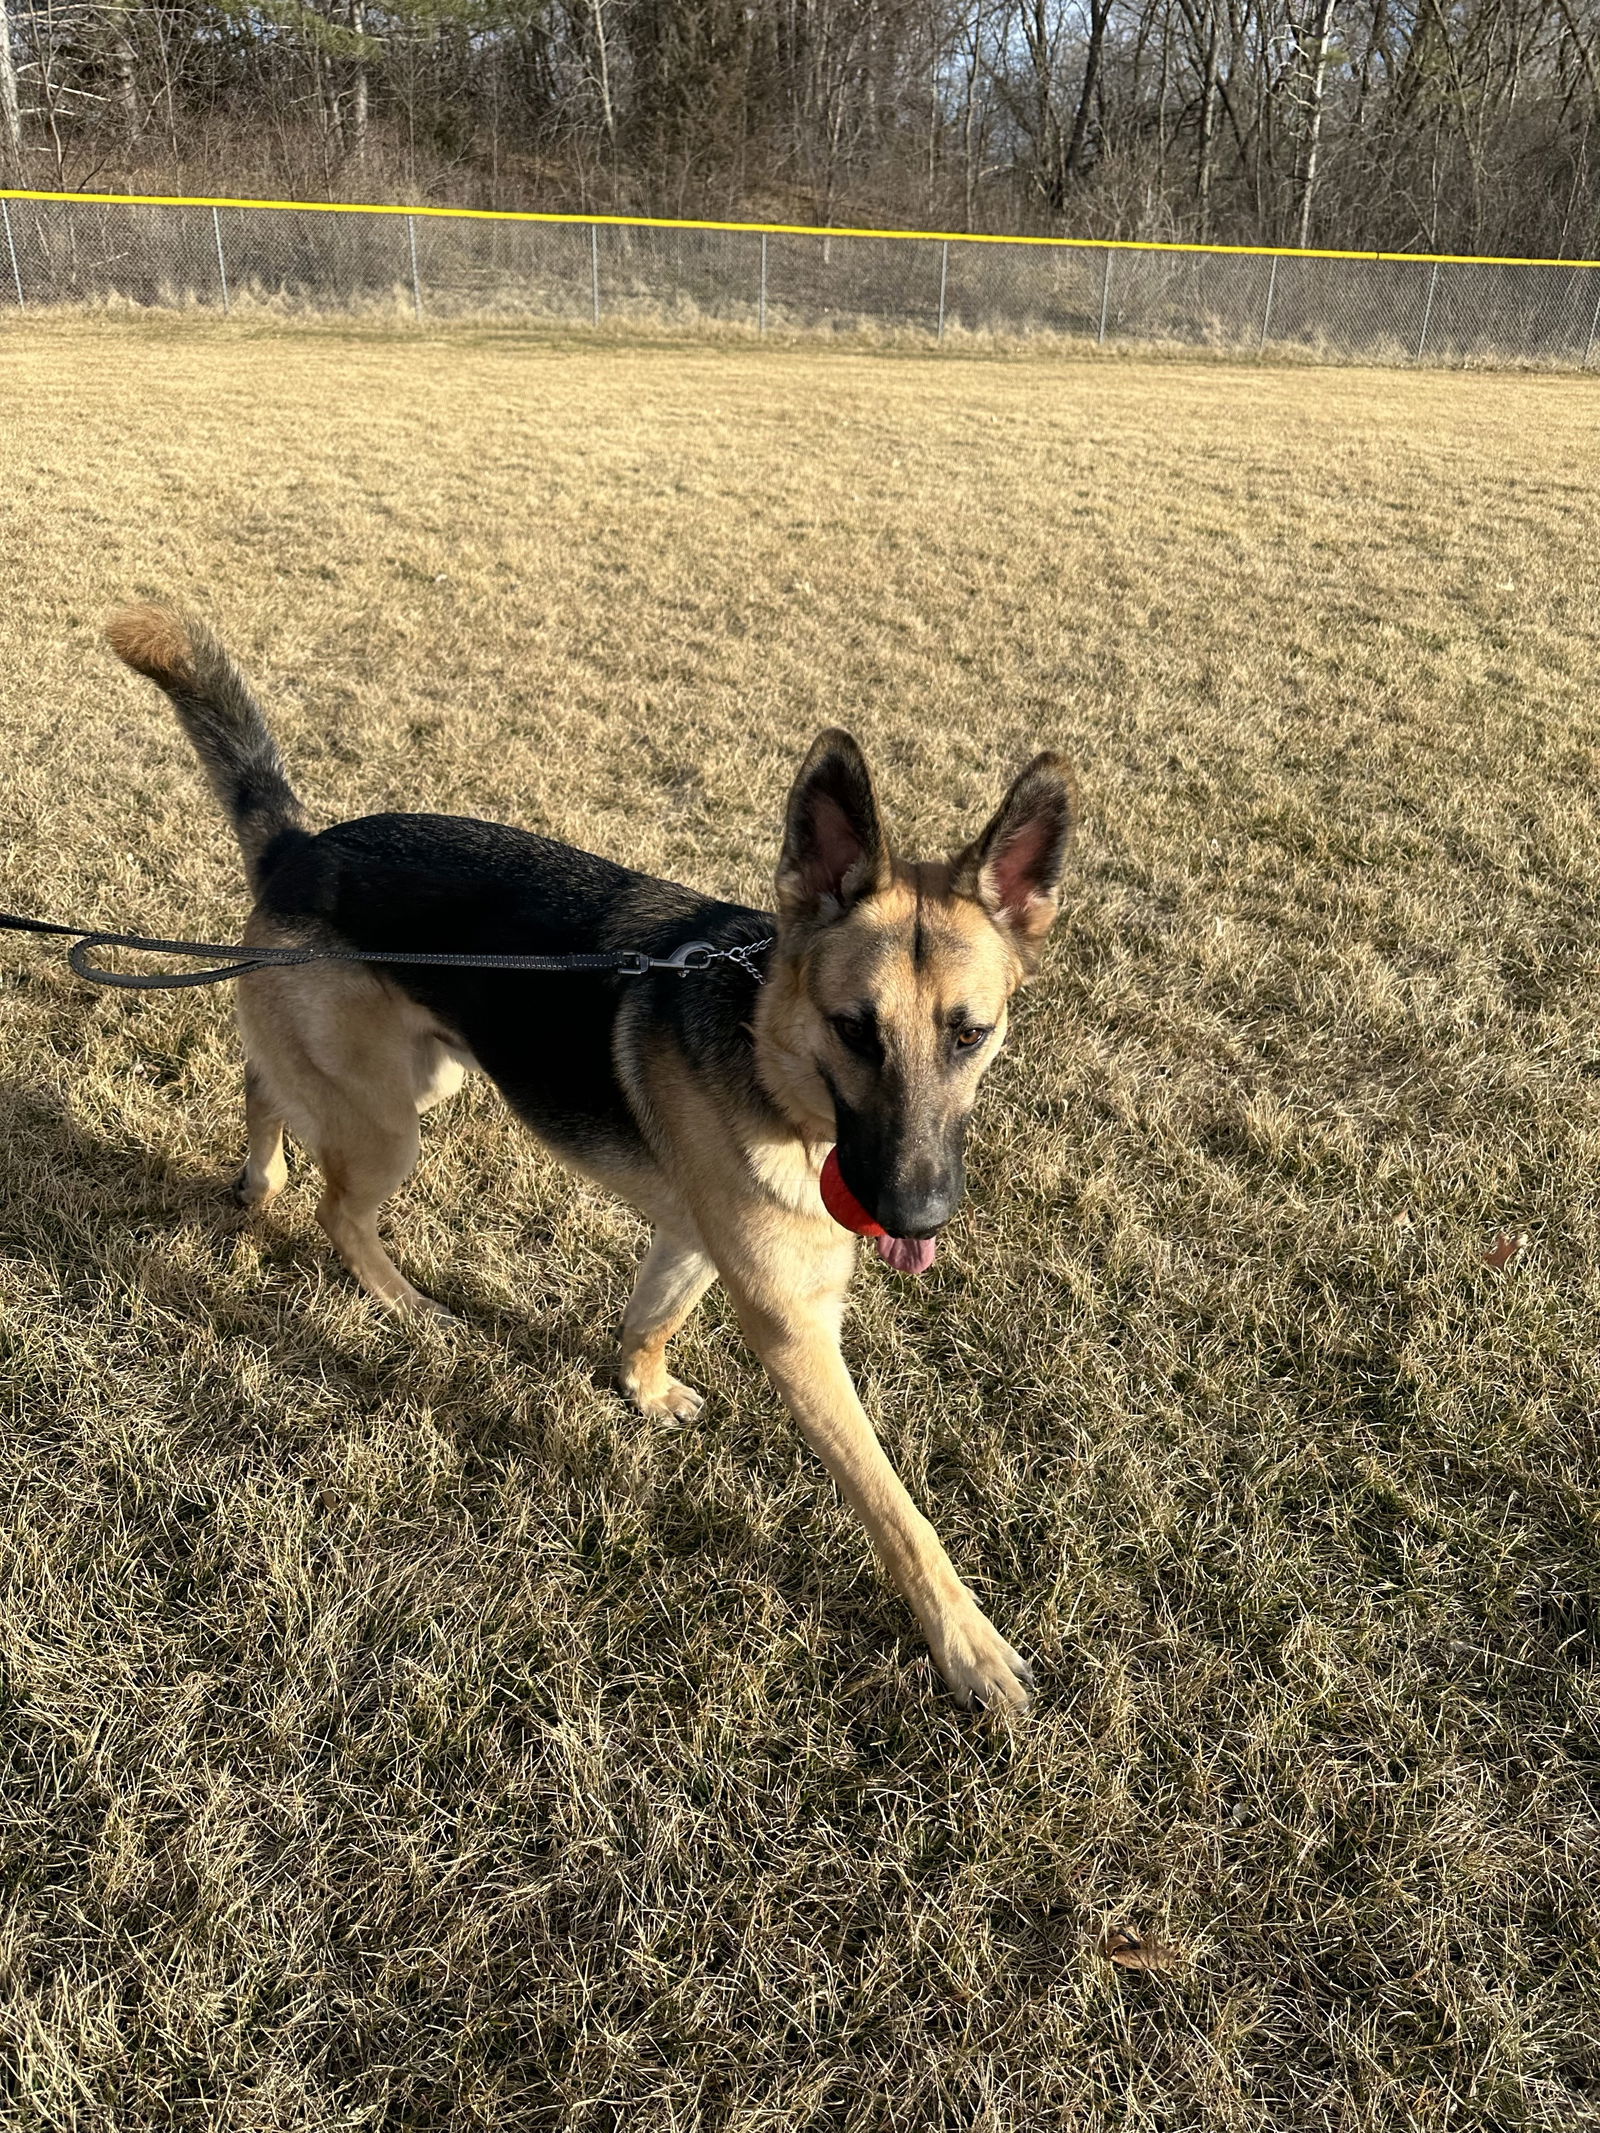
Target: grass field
(400, 1734)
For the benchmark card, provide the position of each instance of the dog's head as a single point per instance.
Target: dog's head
(891, 979)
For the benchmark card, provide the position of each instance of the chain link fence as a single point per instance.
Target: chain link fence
(61, 251)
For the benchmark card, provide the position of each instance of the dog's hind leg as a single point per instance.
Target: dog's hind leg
(265, 1170)
(363, 1158)
(348, 1064)
(673, 1276)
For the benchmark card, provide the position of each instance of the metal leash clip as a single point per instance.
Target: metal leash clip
(692, 955)
(695, 955)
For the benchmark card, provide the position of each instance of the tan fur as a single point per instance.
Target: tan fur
(786, 1272)
(673, 1276)
(221, 717)
(347, 1064)
(971, 964)
(155, 642)
(887, 985)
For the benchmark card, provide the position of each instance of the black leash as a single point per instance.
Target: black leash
(625, 962)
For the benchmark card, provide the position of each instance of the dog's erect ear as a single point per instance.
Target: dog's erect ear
(1014, 868)
(834, 851)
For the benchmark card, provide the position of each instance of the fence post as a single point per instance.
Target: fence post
(1266, 316)
(1427, 311)
(761, 309)
(16, 271)
(222, 272)
(594, 268)
(944, 276)
(416, 283)
(1105, 298)
(1594, 322)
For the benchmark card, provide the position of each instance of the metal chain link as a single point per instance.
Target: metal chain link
(61, 251)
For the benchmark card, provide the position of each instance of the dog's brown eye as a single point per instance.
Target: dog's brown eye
(968, 1040)
(858, 1033)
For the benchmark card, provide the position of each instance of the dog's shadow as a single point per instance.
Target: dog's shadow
(75, 1197)
(119, 1209)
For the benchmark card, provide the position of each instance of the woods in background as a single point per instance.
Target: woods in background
(1454, 125)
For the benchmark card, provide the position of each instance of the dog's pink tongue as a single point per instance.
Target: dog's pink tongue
(907, 1255)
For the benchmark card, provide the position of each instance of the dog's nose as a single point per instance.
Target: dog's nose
(917, 1211)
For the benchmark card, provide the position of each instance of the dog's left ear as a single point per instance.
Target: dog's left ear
(1014, 868)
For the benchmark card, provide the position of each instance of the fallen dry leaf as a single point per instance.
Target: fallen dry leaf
(1505, 1246)
(1139, 1951)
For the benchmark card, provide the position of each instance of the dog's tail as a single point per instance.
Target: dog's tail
(217, 711)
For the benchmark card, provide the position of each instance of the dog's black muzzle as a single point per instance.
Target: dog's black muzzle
(911, 1183)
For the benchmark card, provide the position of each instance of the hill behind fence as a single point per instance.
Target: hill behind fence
(75, 248)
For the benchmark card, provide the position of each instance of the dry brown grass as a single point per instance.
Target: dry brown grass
(404, 1735)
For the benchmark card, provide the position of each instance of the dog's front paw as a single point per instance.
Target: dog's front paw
(664, 1399)
(404, 1301)
(430, 1309)
(679, 1401)
(980, 1667)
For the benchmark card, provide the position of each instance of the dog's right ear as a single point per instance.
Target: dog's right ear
(834, 849)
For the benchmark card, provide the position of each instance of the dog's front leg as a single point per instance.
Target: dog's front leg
(796, 1336)
(673, 1277)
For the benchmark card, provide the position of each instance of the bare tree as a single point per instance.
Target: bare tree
(1470, 125)
(356, 133)
(10, 102)
(1314, 41)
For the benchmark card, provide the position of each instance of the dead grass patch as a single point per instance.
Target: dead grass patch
(401, 1733)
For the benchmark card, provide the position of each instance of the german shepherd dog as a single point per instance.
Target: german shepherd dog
(709, 1101)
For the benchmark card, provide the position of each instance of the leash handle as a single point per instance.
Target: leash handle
(167, 981)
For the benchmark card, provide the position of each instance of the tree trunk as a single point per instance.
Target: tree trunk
(328, 108)
(116, 20)
(1099, 16)
(1321, 31)
(10, 106)
(969, 120)
(1208, 125)
(608, 116)
(357, 141)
